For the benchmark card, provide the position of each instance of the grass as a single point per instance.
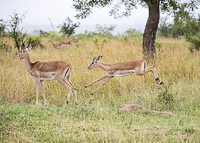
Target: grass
(96, 118)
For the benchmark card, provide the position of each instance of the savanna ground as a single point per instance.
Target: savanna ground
(96, 118)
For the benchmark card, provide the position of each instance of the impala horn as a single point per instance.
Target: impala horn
(28, 44)
(23, 46)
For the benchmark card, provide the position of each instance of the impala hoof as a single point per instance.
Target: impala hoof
(161, 83)
(85, 86)
(91, 93)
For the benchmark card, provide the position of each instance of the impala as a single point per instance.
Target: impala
(68, 42)
(6, 46)
(138, 67)
(74, 41)
(9, 47)
(41, 71)
(57, 46)
(54, 45)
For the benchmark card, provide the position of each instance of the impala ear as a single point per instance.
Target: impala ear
(98, 59)
(30, 48)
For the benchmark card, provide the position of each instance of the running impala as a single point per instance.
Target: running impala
(41, 71)
(138, 67)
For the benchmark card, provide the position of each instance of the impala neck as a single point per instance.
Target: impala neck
(51, 42)
(27, 62)
(104, 66)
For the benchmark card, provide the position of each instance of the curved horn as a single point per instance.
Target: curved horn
(28, 44)
(23, 46)
(24, 41)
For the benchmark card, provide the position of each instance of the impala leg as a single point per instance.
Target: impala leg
(101, 85)
(74, 89)
(69, 87)
(43, 92)
(37, 90)
(103, 77)
(153, 70)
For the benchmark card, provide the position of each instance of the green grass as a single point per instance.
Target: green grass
(96, 118)
(97, 121)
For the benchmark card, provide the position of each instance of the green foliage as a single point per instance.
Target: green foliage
(56, 36)
(14, 31)
(176, 29)
(36, 41)
(165, 98)
(105, 31)
(43, 34)
(158, 45)
(86, 35)
(96, 40)
(195, 42)
(68, 27)
(2, 46)
(192, 33)
(104, 40)
(2, 27)
(124, 8)
(184, 24)
(132, 33)
(164, 30)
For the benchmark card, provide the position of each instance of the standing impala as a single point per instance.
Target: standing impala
(41, 71)
(121, 69)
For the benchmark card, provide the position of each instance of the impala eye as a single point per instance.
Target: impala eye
(92, 63)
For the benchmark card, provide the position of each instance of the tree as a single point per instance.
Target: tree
(2, 27)
(192, 32)
(164, 28)
(105, 30)
(84, 7)
(14, 31)
(69, 27)
(132, 33)
(44, 33)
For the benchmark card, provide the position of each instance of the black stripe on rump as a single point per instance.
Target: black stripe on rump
(67, 71)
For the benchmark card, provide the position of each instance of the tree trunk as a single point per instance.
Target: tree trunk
(149, 36)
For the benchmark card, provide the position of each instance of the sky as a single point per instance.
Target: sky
(38, 12)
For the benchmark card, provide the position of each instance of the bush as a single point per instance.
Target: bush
(36, 41)
(56, 36)
(194, 42)
(165, 98)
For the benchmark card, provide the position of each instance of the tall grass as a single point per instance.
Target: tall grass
(96, 117)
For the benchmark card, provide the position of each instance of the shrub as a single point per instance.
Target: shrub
(165, 98)
(36, 41)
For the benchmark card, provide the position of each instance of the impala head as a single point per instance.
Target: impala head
(51, 40)
(95, 61)
(24, 49)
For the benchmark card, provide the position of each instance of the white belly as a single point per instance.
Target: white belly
(48, 79)
(118, 75)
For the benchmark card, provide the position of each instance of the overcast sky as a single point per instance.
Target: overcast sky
(38, 12)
